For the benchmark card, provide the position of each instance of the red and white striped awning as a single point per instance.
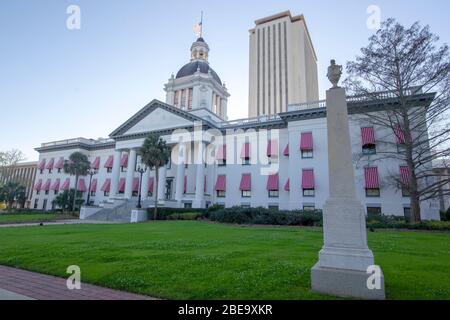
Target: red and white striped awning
(306, 141)
(122, 183)
(308, 179)
(56, 184)
(272, 182)
(246, 182)
(66, 184)
(47, 185)
(124, 160)
(50, 164)
(38, 185)
(41, 165)
(106, 185)
(399, 134)
(245, 152)
(96, 163)
(367, 136)
(404, 175)
(135, 185)
(94, 185)
(222, 152)
(81, 187)
(221, 184)
(272, 148)
(371, 177)
(110, 162)
(60, 163)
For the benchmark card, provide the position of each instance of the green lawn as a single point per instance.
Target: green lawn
(199, 260)
(6, 218)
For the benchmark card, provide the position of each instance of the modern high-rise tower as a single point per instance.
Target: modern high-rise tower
(283, 64)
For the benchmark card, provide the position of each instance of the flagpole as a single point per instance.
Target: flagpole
(201, 28)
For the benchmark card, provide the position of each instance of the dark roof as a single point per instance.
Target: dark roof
(191, 68)
(200, 40)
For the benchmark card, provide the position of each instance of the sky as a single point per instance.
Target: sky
(57, 83)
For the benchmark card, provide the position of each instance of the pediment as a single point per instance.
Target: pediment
(156, 116)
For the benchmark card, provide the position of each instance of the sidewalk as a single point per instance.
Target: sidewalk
(16, 284)
(55, 223)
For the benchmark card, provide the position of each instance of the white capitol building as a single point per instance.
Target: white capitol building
(278, 159)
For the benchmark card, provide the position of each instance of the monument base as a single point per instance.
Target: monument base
(345, 283)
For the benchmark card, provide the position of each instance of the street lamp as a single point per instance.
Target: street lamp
(90, 173)
(141, 172)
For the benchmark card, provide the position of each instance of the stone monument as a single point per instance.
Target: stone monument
(345, 263)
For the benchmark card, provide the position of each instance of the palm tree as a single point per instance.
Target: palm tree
(13, 192)
(77, 165)
(154, 154)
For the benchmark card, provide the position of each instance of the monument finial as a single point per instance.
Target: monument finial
(334, 73)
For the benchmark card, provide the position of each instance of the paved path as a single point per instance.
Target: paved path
(16, 284)
(56, 223)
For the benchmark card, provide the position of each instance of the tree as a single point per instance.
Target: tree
(13, 192)
(78, 165)
(8, 161)
(402, 63)
(66, 199)
(154, 154)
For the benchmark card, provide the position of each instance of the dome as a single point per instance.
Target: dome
(191, 68)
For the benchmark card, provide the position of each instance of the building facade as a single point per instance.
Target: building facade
(278, 160)
(283, 65)
(23, 173)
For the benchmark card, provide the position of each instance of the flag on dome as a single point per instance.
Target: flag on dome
(198, 28)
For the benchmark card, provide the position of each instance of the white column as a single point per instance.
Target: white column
(162, 183)
(114, 190)
(144, 188)
(200, 178)
(130, 173)
(179, 191)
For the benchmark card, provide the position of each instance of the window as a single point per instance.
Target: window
(38, 192)
(59, 170)
(36, 202)
(221, 194)
(50, 170)
(169, 163)
(188, 205)
(246, 162)
(375, 192)
(307, 154)
(134, 194)
(407, 213)
(106, 194)
(222, 163)
(56, 192)
(246, 194)
(92, 193)
(309, 208)
(369, 149)
(176, 99)
(373, 211)
(42, 171)
(108, 170)
(186, 166)
(44, 205)
(274, 193)
(309, 192)
(191, 91)
(46, 192)
(123, 169)
(150, 194)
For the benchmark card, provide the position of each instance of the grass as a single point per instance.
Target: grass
(200, 260)
(20, 217)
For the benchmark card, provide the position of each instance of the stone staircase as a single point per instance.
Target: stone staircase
(117, 211)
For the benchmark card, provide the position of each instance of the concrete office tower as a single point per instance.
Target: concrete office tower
(283, 65)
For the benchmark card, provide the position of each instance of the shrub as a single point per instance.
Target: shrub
(445, 215)
(164, 213)
(263, 216)
(185, 216)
